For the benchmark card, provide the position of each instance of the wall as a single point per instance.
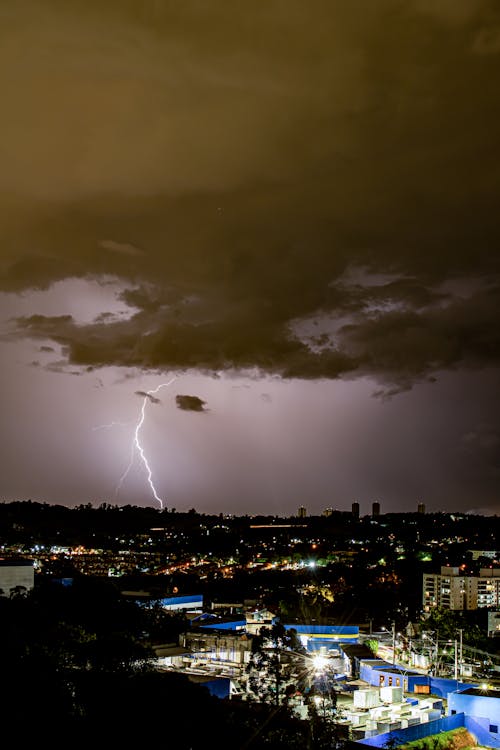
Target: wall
(481, 732)
(443, 687)
(416, 732)
(483, 709)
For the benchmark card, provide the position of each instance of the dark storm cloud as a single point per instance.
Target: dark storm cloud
(145, 394)
(239, 161)
(190, 403)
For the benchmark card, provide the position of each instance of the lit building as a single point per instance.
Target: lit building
(421, 508)
(452, 590)
(477, 553)
(328, 512)
(302, 512)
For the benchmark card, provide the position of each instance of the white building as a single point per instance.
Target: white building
(451, 589)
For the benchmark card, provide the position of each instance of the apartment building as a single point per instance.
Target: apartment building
(451, 589)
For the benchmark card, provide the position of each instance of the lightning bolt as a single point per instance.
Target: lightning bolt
(137, 447)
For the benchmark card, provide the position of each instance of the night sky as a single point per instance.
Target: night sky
(292, 209)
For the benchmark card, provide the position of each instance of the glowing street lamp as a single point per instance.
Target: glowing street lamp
(319, 663)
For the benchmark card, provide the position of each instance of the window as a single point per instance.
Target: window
(494, 728)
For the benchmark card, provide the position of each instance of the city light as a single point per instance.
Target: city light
(319, 663)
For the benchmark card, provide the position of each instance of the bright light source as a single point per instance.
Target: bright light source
(311, 564)
(319, 663)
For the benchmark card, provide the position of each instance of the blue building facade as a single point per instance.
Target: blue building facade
(315, 637)
(482, 708)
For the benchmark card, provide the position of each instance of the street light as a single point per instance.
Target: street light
(460, 630)
(319, 663)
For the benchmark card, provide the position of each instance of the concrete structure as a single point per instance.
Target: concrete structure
(368, 698)
(171, 656)
(375, 509)
(421, 508)
(218, 652)
(16, 575)
(372, 716)
(355, 510)
(391, 694)
(451, 589)
(483, 706)
(302, 512)
(477, 553)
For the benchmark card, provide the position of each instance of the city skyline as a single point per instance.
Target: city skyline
(289, 216)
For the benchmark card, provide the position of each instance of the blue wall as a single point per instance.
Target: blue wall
(334, 630)
(442, 687)
(371, 672)
(477, 727)
(391, 677)
(483, 710)
(481, 732)
(416, 732)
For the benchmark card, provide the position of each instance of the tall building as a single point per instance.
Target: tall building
(421, 508)
(452, 590)
(355, 510)
(375, 509)
(328, 512)
(302, 512)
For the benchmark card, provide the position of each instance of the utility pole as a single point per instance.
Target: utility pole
(456, 660)
(393, 642)
(460, 630)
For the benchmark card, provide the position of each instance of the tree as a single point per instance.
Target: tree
(373, 645)
(275, 652)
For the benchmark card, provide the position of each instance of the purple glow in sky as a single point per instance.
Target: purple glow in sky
(292, 211)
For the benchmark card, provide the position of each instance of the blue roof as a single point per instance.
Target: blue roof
(171, 600)
(325, 629)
